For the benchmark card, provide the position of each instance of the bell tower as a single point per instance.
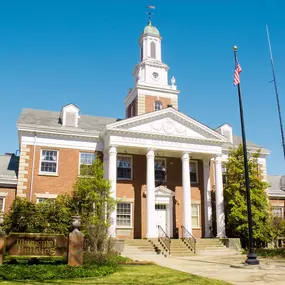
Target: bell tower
(151, 90)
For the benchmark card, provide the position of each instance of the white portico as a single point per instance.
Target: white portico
(171, 133)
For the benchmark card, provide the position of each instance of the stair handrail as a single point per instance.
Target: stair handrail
(162, 235)
(188, 237)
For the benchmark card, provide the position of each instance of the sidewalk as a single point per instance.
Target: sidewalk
(219, 267)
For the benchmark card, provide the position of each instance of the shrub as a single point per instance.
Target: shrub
(51, 272)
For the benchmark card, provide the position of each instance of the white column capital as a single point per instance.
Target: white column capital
(150, 154)
(218, 159)
(112, 150)
(185, 156)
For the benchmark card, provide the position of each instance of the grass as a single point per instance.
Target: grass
(136, 274)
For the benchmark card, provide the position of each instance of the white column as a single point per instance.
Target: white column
(187, 214)
(207, 198)
(151, 230)
(112, 176)
(220, 211)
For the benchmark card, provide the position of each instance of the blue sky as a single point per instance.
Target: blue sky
(57, 52)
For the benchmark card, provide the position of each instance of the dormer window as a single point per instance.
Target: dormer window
(69, 116)
(157, 105)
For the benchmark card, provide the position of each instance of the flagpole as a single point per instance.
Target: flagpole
(251, 257)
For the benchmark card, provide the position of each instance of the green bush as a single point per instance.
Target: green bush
(51, 272)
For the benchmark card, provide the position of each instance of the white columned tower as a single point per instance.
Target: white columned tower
(220, 210)
(186, 185)
(151, 230)
(151, 82)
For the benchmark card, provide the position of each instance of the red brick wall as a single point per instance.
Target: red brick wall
(149, 102)
(9, 198)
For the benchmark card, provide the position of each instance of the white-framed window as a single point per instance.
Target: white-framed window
(278, 211)
(195, 215)
(86, 160)
(124, 214)
(157, 105)
(224, 172)
(49, 161)
(160, 169)
(124, 167)
(2, 204)
(194, 171)
(40, 200)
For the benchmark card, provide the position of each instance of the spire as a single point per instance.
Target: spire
(149, 13)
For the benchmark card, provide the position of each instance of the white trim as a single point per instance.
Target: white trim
(3, 194)
(124, 155)
(199, 223)
(131, 216)
(45, 172)
(64, 143)
(3, 204)
(165, 161)
(46, 195)
(197, 171)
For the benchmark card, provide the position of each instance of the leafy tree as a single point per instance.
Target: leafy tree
(51, 216)
(93, 202)
(235, 198)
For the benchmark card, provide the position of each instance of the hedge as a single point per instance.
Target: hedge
(42, 272)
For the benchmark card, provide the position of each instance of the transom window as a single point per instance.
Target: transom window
(124, 167)
(157, 105)
(124, 215)
(195, 215)
(86, 160)
(160, 207)
(49, 161)
(278, 211)
(160, 169)
(194, 171)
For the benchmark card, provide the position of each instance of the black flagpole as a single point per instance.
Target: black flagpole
(251, 257)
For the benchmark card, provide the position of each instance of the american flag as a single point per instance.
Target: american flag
(238, 70)
(150, 7)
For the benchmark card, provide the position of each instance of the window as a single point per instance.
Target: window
(224, 172)
(49, 161)
(195, 215)
(194, 171)
(2, 203)
(124, 214)
(278, 211)
(152, 50)
(40, 200)
(160, 169)
(160, 207)
(86, 160)
(157, 106)
(124, 167)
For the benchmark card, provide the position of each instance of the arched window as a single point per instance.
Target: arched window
(152, 50)
(141, 52)
(157, 106)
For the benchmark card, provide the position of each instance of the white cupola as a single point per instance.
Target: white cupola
(69, 115)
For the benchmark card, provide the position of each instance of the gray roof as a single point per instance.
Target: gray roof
(8, 169)
(274, 190)
(50, 119)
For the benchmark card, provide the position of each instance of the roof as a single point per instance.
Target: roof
(8, 169)
(50, 120)
(149, 29)
(274, 189)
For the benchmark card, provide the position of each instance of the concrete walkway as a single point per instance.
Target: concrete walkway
(220, 267)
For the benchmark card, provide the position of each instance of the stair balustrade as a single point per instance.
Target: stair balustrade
(188, 238)
(164, 238)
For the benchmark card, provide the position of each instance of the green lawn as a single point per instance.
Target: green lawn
(136, 274)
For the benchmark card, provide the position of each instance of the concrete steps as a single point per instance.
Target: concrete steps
(178, 247)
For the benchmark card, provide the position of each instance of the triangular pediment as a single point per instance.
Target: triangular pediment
(167, 122)
(163, 191)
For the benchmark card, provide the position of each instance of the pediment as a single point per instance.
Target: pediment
(163, 191)
(167, 122)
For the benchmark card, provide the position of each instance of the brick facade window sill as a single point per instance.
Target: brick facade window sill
(47, 174)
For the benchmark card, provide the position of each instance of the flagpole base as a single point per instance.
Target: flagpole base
(252, 259)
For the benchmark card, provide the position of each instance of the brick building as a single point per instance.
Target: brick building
(163, 165)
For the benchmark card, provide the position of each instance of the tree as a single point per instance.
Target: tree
(93, 202)
(235, 198)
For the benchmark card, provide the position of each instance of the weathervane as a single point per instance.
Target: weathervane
(149, 13)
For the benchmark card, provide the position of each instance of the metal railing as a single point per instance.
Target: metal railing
(187, 237)
(163, 237)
